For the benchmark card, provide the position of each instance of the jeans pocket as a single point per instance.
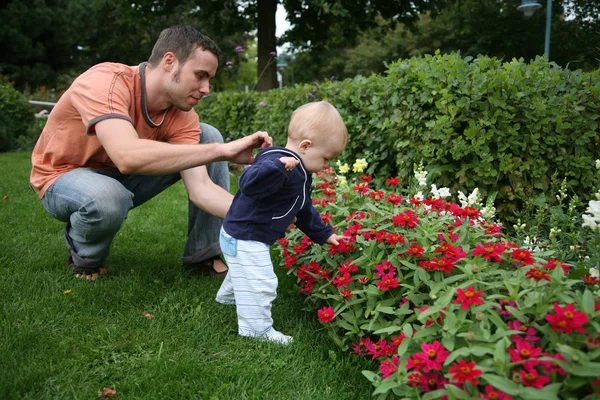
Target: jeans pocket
(228, 244)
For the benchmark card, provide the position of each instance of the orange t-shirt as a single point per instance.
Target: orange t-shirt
(107, 90)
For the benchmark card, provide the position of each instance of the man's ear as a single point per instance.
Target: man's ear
(305, 144)
(169, 60)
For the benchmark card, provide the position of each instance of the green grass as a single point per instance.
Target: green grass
(56, 345)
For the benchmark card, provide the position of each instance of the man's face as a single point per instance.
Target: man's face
(190, 82)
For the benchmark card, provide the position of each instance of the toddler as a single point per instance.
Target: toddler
(273, 191)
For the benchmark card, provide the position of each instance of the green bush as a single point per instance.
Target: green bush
(16, 118)
(503, 127)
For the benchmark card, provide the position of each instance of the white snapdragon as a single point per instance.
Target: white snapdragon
(593, 217)
(474, 199)
(420, 174)
(439, 193)
(594, 273)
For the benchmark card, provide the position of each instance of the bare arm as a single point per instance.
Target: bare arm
(204, 194)
(133, 155)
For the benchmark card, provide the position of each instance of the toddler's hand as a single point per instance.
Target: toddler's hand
(334, 239)
(289, 162)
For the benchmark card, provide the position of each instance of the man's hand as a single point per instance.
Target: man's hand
(289, 162)
(334, 239)
(240, 151)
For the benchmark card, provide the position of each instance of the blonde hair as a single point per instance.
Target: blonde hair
(317, 120)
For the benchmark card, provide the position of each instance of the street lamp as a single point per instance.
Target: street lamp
(528, 7)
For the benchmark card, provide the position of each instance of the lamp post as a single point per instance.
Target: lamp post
(528, 7)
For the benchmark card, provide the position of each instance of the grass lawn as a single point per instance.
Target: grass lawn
(57, 345)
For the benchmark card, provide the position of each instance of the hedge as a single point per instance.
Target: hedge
(503, 127)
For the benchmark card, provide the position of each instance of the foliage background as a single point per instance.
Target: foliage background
(503, 127)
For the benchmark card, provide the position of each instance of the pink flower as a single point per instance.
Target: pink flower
(388, 367)
(433, 356)
(529, 332)
(388, 282)
(532, 378)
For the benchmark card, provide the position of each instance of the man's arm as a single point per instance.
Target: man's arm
(204, 194)
(133, 155)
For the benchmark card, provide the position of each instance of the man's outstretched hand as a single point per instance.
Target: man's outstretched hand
(240, 151)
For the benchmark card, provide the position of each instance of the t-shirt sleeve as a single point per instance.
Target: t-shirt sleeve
(101, 93)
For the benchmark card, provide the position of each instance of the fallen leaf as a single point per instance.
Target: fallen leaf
(107, 392)
(148, 316)
(68, 291)
(6, 197)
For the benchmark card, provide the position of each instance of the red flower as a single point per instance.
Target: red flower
(532, 378)
(441, 264)
(394, 238)
(464, 371)
(408, 219)
(415, 250)
(522, 256)
(392, 181)
(590, 280)
(348, 267)
(553, 264)
(387, 282)
(346, 294)
(388, 367)
(363, 279)
(492, 394)
(537, 274)
(365, 178)
(490, 251)
(394, 198)
(326, 218)
(326, 314)
(342, 280)
(376, 195)
(361, 188)
(566, 319)
(468, 298)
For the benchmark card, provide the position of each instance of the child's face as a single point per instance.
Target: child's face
(318, 155)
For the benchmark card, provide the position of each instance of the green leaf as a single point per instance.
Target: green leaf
(501, 383)
(588, 369)
(588, 302)
(480, 351)
(517, 314)
(456, 392)
(549, 392)
(500, 354)
(389, 329)
(436, 394)
(371, 376)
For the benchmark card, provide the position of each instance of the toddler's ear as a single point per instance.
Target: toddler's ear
(305, 144)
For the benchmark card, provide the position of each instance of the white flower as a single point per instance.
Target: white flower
(439, 193)
(594, 273)
(593, 218)
(341, 181)
(597, 164)
(420, 174)
(342, 168)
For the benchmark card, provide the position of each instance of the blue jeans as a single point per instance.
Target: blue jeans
(94, 204)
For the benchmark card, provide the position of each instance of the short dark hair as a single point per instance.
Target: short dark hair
(181, 41)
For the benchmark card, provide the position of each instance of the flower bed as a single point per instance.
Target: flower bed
(446, 303)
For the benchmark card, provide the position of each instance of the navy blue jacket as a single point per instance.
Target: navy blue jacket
(270, 197)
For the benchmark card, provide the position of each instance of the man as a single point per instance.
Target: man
(121, 134)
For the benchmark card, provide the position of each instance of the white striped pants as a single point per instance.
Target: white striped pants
(250, 284)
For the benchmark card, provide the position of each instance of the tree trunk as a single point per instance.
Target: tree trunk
(267, 66)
